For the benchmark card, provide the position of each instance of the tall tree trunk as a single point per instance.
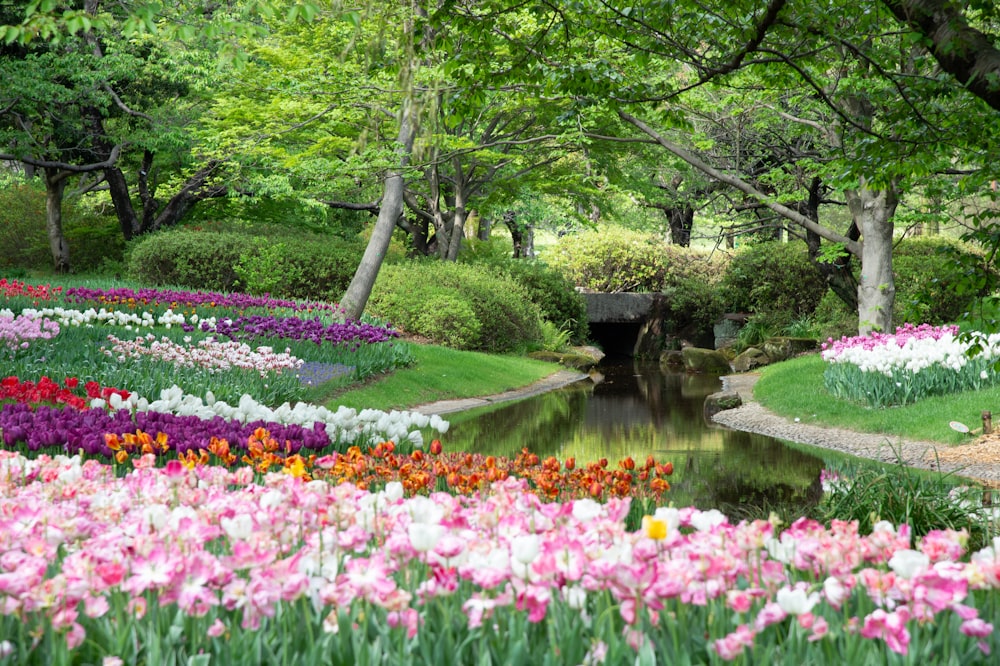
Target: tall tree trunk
(485, 228)
(838, 273)
(458, 224)
(356, 296)
(118, 189)
(872, 211)
(516, 233)
(55, 185)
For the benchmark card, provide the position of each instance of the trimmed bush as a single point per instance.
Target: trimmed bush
(433, 299)
(611, 259)
(928, 273)
(559, 301)
(614, 259)
(776, 281)
(311, 266)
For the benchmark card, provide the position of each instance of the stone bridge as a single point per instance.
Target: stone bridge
(616, 320)
(632, 324)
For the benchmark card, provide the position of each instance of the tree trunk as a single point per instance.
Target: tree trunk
(839, 273)
(681, 220)
(118, 189)
(516, 233)
(55, 185)
(485, 228)
(356, 296)
(872, 211)
(460, 213)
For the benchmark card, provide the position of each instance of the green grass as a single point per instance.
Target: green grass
(795, 389)
(443, 374)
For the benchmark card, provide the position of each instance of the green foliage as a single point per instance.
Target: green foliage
(451, 322)
(266, 268)
(938, 279)
(93, 240)
(23, 242)
(834, 319)
(923, 501)
(286, 263)
(776, 281)
(612, 259)
(548, 288)
(615, 259)
(408, 295)
(554, 339)
(694, 304)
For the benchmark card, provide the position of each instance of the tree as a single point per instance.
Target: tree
(106, 87)
(968, 53)
(883, 115)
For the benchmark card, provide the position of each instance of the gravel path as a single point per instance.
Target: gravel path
(979, 460)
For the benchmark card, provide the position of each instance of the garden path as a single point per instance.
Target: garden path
(978, 460)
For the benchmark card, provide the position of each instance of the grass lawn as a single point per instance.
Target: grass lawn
(443, 374)
(795, 389)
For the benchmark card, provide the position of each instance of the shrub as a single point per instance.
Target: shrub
(307, 266)
(615, 259)
(559, 301)
(611, 259)
(94, 241)
(776, 281)
(928, 272)
(506, 318)
(23, 243)
(451, 322)
(693, 305)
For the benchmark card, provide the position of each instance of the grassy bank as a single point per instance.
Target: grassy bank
(444, 374)
(795, 389)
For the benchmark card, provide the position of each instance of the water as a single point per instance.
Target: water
(639, 410)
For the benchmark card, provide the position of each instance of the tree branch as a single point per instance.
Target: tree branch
(963, 51)
(65, 166)
(854, 247)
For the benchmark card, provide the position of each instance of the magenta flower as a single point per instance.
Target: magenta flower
(890, 627)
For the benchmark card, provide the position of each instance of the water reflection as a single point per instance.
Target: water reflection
(636, 411)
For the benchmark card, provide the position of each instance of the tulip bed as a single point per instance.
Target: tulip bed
(189, 529)
(882, 369)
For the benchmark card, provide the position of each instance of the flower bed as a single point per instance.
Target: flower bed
(196, 530)
(171, 564)
(882, 370)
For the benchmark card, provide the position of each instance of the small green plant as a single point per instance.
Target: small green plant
(554, 339)
(264, 269)
(870, 493)
(802, 327)
(754, 332)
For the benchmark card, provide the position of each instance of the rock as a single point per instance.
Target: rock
(581, 360)
(728, 328)
(750, 359)
(784, 348)
(707, 361)
(672, 359)
(721, 401)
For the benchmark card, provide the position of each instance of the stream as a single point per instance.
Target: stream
(640, 410)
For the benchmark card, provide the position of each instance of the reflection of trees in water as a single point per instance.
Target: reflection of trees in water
(541, 423)
(640, 411)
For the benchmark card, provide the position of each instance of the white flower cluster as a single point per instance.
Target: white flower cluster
(128, 320)
(344, 426)
(209, 354)
(915, 354)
